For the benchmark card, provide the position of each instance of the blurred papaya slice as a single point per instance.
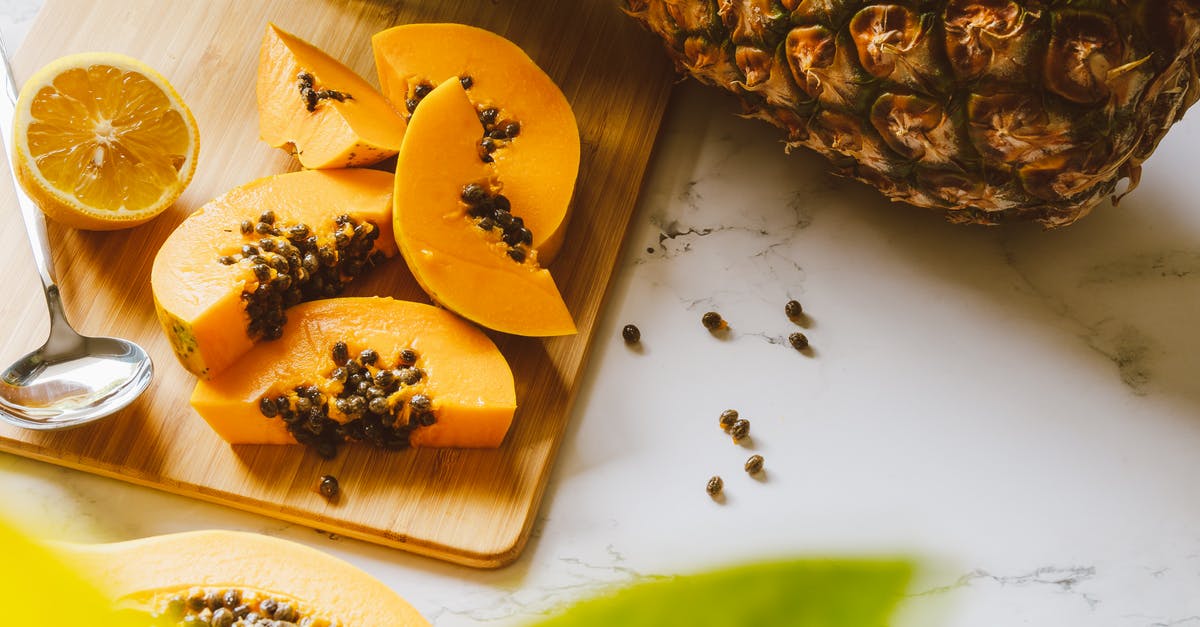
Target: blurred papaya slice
(27, 598)
(217, 577)
(312, 105)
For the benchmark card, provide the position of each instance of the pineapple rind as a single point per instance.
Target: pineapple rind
(989, 110)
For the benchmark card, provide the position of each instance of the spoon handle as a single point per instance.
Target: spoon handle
(35, 222)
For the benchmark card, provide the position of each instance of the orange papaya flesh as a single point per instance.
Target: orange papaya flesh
(541, 161)
(317, 108)
(207, 577)
(431, 379)
(470, 270)
(224, 277)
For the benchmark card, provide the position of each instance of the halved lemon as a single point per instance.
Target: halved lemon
(103, 141)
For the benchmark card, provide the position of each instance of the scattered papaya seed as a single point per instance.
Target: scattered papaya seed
(754, 464)
(631, 334)
(713, 321)
(740, 429)
(728, 418)
(328, 486)
(798, 340)
(714, 487)
(793, 309)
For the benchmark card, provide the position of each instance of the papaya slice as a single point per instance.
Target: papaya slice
(221, 577)
(526, 126)
(385, 372)
(224, 277)
(315, 107)
(460, 233)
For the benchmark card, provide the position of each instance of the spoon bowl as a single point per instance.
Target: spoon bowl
(58, 389)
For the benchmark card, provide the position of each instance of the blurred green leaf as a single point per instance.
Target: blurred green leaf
(798, 593)
(38, 588)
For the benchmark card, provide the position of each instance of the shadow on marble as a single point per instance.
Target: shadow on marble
(1124, 281)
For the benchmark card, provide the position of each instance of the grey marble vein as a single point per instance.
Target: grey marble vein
(1063, 579)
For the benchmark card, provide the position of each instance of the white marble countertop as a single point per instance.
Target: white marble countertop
(1017, 410)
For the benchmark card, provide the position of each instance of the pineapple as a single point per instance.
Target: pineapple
(989, 110)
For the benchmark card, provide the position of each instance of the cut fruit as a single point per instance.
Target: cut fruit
(224, 277)
(213, 577)
(539, 165)
(103, 141)
(459, 230)
(315, 107)
(386, 372)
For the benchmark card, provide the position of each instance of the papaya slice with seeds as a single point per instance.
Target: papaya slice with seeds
(450, 225)
(540, 164)
(207, 577)
(225, 276)
(438, 381)
(312, 105)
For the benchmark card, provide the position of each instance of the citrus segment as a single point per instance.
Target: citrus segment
(103, 141)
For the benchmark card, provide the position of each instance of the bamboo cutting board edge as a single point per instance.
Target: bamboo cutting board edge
(530, 448)
(507, 557)
(476, 560)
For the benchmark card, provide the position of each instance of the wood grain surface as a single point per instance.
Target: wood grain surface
(474, 507)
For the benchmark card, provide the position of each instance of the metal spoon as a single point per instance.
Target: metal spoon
(72, 379)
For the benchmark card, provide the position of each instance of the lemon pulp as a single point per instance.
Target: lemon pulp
(104, 141)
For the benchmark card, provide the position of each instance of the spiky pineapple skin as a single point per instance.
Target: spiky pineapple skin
(989, 110)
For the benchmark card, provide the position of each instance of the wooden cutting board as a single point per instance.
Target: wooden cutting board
(475, 507)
